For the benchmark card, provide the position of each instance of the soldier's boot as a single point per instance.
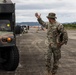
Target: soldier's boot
(55, 67)
(54, 70)
(48, 73)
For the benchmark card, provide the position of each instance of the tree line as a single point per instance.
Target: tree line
(70, 25)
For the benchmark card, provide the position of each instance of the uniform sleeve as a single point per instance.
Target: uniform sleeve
(61, 28)
(64, 32)
(44, 24)
(65, 37)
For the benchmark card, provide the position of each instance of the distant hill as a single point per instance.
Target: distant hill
(28, 23)
(37, 24)
(70, 23)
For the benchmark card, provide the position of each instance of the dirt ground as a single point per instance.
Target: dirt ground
(32, 49)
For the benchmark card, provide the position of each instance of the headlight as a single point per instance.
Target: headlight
(9, 39)
(4, 40)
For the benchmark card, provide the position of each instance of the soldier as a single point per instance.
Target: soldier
(54, 29)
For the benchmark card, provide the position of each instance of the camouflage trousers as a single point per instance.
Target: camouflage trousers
(53, 55)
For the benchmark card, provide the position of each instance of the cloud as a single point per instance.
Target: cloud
(40, 6)
(65, 9)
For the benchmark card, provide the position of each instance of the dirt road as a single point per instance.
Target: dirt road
(33, 47)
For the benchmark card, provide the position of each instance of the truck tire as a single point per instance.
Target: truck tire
(12, 59)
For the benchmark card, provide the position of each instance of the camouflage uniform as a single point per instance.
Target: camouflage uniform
(52, 35)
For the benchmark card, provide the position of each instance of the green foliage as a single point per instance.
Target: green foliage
(70, 26)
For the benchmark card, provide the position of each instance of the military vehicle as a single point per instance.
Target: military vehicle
(9, 54)
(21, 28)
(24, 28)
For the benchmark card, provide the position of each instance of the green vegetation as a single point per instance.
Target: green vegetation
(70, 25)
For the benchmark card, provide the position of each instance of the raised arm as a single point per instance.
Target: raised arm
(44, 24)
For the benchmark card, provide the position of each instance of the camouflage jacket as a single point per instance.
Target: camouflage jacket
(53, 31)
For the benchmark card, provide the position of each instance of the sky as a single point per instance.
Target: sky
(25, 10)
